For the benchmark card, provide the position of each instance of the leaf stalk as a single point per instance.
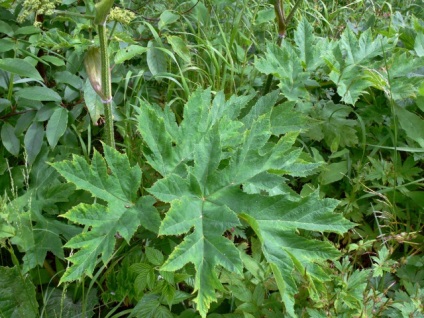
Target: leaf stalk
(106, 85)
(283, 22)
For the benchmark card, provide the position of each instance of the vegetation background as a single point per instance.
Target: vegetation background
(211, 158)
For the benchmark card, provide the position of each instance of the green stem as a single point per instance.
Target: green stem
(106, 86)
(112, 30)
(283, 22)
(74, 14)
(10, 88)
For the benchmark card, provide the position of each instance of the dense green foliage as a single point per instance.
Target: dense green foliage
(257, 158)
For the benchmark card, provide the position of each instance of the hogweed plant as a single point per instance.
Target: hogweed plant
(213, 181)
(220, 197)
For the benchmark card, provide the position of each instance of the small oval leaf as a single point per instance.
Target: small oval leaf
(9, 139)
(56, 126)
(38, 93)
(20, 67)
(166, 18)
(129, 52)
(179, 47)
(156, 59)
(33, 141)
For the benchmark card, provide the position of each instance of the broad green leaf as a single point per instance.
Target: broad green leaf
(6, 28)
(47, 237)
(285, 65)
(274, 219)
(205, 172)
(45, 112)
(367, 47)
(160, 130)
(7, 44)
(4, 103)
(33, 141)
(37, 233)
(265, 15)
(66, 77)
(13, 212)
(38, 93)
(166, 18)
(60, 303)
(93, 102)
(269, 183)
(168, 293)
(179, 46)
(333, 172)
(6, 230)
(114, 181)
(56, 126)
(412, 124)
(419, 44)
(17, 294)
(129, 52)
(305, 39)
(350, 81)
(336, 130)
(146, 276)
(156, 59)
(201, 14)
(9, 139)
(241, 292)
(161, 156)
(154, 256)
(420, 102)
(401, 79)
(403, 65)
(20, 67)
(150, 306)
(27, 30)
(405, 77)
(279, 213)
(56, 61)
(349, 60)
(285, 118)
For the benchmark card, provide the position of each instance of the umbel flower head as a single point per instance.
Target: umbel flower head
(37, 7)
(121, 15)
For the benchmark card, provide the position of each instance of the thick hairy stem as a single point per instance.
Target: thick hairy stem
(106, 86)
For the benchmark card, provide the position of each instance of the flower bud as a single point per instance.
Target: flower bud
(93, 67)
(102, 11)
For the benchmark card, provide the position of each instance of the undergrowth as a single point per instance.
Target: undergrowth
(211, 158)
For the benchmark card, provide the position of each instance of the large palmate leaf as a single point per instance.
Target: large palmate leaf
(350, 58)
(275, 220)
(17, 294)
(217, 168)
(401, 77)
(353, 63)
(25, 222)
(114, 181)
(285, 64)
(309, 49)
(335, 129)
(61, 304)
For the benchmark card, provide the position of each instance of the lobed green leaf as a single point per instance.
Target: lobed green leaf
(205, 171)
(113, 180)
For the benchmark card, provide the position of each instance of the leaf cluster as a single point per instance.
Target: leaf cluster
(219, 200)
